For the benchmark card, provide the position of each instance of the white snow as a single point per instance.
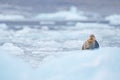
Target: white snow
(101, 64)
(9, 47)
(11, 17)
(72, 14)
(3, 26)
(114, 19)
(44, 54)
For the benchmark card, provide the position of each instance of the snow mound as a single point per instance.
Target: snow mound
(100, 64)
(11, 48)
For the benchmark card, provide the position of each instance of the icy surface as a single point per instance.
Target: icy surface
(114, 19)
(34, 45)
(72, 14)
(101, 64)
(11, 17)
(53, 52)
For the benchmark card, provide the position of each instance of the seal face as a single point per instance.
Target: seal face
(91, 43)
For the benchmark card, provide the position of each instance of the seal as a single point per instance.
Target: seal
(91, 43)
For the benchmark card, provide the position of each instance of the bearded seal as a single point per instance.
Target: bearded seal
(91, 43)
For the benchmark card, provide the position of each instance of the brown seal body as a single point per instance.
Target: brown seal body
(91, 43)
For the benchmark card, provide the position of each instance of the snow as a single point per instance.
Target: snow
(114, 19)
(72, 14)
(42, 53)
(11, 17)
(9, 47)
(3, 26)
(100, 64)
